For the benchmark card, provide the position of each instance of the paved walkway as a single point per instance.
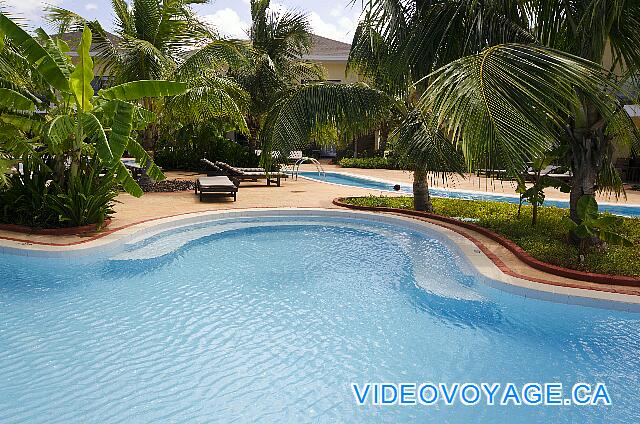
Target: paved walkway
(471, 182)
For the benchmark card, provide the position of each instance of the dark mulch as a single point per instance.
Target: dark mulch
(167, 186)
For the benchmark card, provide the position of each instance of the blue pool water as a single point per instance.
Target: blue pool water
(349, 180)
(270, 319)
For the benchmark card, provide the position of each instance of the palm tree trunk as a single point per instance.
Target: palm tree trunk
(384, 135)
(421, 198)
(149, 138)
(254, 130)
(585, 173)
(588, 145)
(150, 133)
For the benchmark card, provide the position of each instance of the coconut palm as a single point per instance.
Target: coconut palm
(504, 104)
(166, 40)
(378, 59)
(278, 42)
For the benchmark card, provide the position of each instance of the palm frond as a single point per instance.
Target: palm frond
(512, 102)
(147, 16)
(303, 71)
(282, 36)
(377, 59)
(220, 98)
(422, 146)
(34, 53)
(217, 55)
(140, 59)
(125, 21)
(105, 49)
(352, 108)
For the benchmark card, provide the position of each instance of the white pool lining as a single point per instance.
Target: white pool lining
(476, 261)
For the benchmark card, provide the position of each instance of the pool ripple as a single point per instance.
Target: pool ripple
(270, 323)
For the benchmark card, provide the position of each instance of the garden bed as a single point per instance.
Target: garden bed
(68, 231)
(546, 242)
(167, 186)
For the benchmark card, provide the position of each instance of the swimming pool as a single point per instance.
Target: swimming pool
(271, 318)
(362, 182)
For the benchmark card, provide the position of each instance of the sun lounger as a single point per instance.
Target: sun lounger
(216, 185)
(491, 173)
(214, 169)
(246, 174)
(550, 171)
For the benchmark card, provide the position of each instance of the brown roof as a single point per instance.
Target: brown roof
(322, 46)
(73, 39)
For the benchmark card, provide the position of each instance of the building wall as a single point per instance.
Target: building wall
(336, 71)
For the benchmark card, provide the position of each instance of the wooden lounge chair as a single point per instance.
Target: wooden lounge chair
(553, 171)
(216, 185)
(500, 174)
(246, 174)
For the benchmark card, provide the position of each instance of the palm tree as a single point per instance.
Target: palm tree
(380, 60)
(278, 42)
(166, 40)
(504, 104)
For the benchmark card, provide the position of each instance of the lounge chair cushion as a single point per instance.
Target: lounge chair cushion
(264, 174)
(221, 182)
(252, 170)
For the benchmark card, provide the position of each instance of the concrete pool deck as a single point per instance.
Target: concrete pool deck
(301, 193)
(470, 183)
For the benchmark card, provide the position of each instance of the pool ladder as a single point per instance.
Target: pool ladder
(295, 168)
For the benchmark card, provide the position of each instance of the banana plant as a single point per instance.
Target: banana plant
(77, 124)
(541, 180)
(594, 225)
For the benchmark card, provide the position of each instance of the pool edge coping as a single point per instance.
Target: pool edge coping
(476, 254)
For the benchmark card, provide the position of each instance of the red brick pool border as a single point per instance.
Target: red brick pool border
(619, 280)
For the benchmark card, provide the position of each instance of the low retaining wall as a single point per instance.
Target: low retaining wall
(620, 280)
(71, 231)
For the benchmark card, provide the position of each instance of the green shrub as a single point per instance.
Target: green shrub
(24, 200)
(184, 149)
(87, 199)
(368, 163)
(35, 199)
(548, 241)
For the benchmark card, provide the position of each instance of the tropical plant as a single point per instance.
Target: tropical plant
(526, 75)
(541, 179)
(378, 54)
(352, 109)
(85, 199)
(76, 123)
(436, 157)
(72, 124)
(24, 198)
(278, 42)
(165, 40)
(595, 226)
(185, 148)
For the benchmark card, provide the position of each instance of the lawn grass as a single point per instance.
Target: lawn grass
(547, 241)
